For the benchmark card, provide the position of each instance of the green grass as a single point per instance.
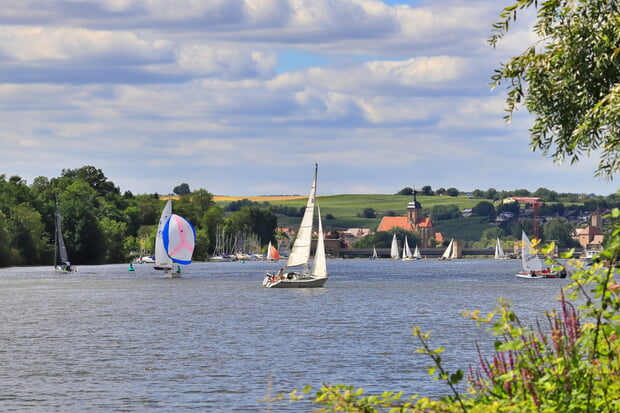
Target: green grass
(465, 229)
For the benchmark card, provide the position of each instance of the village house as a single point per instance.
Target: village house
(414, 222)
(591, 237)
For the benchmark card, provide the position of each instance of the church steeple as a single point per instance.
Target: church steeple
(414, 210)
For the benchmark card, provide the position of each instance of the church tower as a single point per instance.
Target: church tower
(414, 211)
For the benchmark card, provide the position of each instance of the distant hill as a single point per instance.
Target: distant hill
(346, 210)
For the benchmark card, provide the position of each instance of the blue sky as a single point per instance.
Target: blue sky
(242, 97)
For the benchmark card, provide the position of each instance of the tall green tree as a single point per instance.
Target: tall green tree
(83, 234)
(28, 236)
(5, 243)
(561, 231)
(569, 79)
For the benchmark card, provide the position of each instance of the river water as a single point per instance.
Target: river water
(105, 339)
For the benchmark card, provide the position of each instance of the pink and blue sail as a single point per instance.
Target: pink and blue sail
(179, 238)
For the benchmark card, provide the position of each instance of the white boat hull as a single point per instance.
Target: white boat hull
(293, 280)
(541, 274)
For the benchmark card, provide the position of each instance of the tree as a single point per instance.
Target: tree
(440, 212)
(478, 193)
(405, 191)
(94, 177)
(82, 233)
(491, 193)
(427, 190)
(484, 209)
(560, 231)
(182, 189)
(368, 213)
(5, 242)
(569, 80)
(452, 192)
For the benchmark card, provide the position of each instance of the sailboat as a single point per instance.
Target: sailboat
(499, 251)
(374, 253)
(272, 253)
(532, 264)
(416, 253)
(407, 254)
(450, 251)
(296, 273)
(174, 242)
(60, 251)
(394, 248)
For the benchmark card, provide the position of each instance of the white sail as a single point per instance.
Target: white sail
(531, 261)
(162, 260)
(416, 253)
(319, 269)
(499, 251)
(448, 254)
(394, 249)
(406, 250)
(179, 238)
(374, 253)
(300, 253)
(269, 257)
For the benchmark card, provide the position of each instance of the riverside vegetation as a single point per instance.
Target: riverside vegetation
(103, 225)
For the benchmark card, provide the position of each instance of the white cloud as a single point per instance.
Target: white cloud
(36, 43)
(193, 88)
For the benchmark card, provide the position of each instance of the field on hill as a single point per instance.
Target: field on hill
(346, 211)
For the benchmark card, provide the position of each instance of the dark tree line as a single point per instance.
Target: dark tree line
(101, 225)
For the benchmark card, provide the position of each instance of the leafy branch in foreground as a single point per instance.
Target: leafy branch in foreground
(569, 79)
(568, 362)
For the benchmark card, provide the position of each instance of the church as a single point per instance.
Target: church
(414, 222)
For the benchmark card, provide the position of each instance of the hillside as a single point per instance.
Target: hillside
(347, 210)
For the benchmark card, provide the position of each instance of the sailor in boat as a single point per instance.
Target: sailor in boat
(67, 266)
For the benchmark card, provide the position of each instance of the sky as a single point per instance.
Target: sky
(243, 97)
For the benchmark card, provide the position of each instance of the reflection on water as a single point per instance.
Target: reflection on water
(105, 339)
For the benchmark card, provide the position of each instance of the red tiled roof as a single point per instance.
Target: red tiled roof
(387, 223)
(425, 223)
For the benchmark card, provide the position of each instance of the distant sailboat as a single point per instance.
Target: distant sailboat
(499, 251)
(297, 273)
(532, 264)
(407, 254)
(450, 252)
(374, 254)
(60, 251)
(394, 248)
(416, 253)
(272, 253)
(174, 242)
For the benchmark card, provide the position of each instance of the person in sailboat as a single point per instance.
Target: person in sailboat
(67, 266)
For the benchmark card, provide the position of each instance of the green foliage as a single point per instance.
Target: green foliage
(182, 189)
(560, 231)
(5, 249)
(405, 191)
(484, 209)
(383, 239)
(368, 213)
(570, 80)
(441, 212)
(27, 235)
(568, 362)
(452, 192)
